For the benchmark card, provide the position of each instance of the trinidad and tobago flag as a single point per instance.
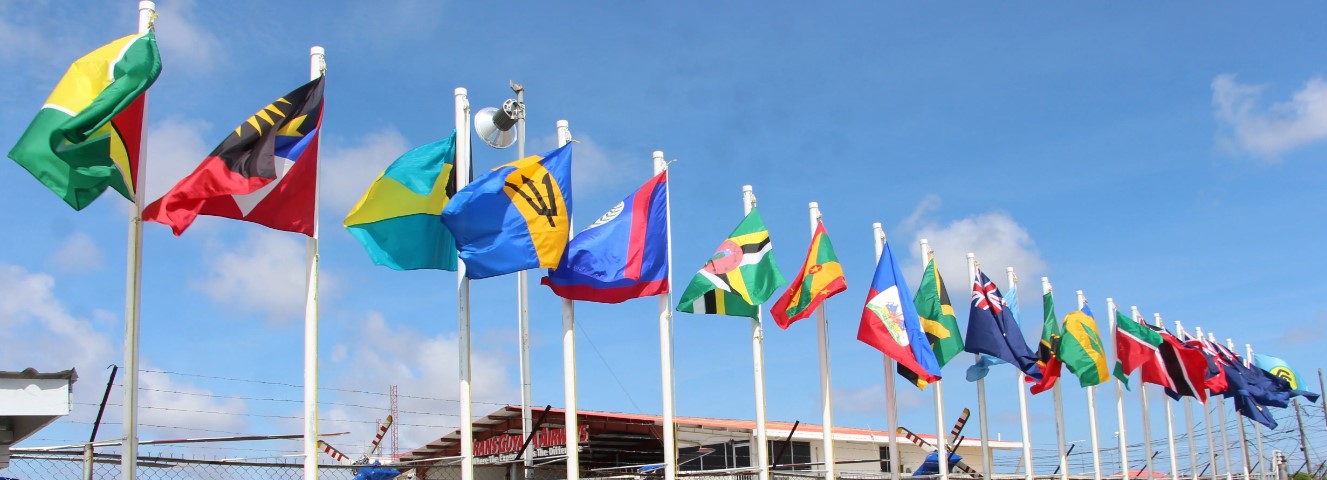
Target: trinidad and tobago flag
(265, 172)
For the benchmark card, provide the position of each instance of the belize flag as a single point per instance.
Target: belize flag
(264, 172)
(623, 255)
(890, 322)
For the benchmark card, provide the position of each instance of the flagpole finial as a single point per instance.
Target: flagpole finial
(565, 124)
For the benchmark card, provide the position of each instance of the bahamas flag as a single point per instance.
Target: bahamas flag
(890, 322)
(821, 277)
(515, 217)
(623, 255)
(86, 137)
(397, 219)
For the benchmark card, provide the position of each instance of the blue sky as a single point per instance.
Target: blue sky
(1168, 156)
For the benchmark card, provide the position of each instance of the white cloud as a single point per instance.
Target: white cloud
(184, 44)
(264, 273)
(186, 408)
(79, 253)
(175, 148)
(426, 368)
(997, 240)
(349, 170)
(1271, 130)
(929, 204)
(594, 166)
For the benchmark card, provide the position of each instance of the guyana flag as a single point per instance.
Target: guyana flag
(937, 319)
(87, 135)
(821, 277)
(739, 277)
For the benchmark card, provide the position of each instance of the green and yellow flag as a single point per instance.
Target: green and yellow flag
(399, 218)
(938, 321)
(821, 277)
(739, 277)
(1081, 349)
(86, 137)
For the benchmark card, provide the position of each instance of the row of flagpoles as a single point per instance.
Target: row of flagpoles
(425, 211)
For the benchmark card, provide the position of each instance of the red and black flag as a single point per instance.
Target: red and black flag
(265, 172)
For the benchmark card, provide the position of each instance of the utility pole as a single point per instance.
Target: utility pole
(1303, 439)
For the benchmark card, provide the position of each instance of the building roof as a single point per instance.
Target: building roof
(508, 420)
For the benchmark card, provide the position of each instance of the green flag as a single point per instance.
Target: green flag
(740, 275)
(1081, 349)
(938, 321)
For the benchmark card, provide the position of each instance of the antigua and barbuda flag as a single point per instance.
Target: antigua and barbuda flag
(890, 322)
(623, 255)
(265, 172)
(515, 217)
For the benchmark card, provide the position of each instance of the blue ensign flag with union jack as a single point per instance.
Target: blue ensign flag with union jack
(993, 331)
(623, 255)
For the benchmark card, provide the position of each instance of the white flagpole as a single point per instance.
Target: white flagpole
(1243, 440)
(463, 295)
(1257, 427)
(1225, 439)
(1188, 422)
(317, 63)
(1207, 427)
(826, 393)
(1059, 406)
(133, 283)
(1091, 410)
(758, 362)
(1170, 418)
(1022, 400)
(666, 336)
(1147, 422)
(986, 466)
(572, 417)
(523, 304)
(939, 392)
(891, 404)
(1111, 309)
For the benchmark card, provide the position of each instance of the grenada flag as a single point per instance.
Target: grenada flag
(86, 137)
(821, 277)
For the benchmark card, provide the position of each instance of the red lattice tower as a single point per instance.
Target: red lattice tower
(395, 414)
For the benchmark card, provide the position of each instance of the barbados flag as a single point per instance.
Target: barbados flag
(397, 219)
(515, 217)
(623, 255)
(890, 322)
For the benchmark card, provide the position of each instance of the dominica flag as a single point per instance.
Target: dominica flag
(937, 320)
(821, 277)
(398, 218)
(86, 137)
(739, 277)
(1081, 349)
(515, 217)
(264, 172)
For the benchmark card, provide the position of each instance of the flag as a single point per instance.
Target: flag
(264, 172)
(1081, 349)
(1280, 369)
(982, 366)
(86, 137)
(1185, 366)
(821, 277)
(890, 322)
(623, 255)
(1138, 347)
(739, 277)
(1214, 353)
(1048, 359)
(992, 330)
(515, 217)
(1248, 387)
(397, 219)
(936, 315)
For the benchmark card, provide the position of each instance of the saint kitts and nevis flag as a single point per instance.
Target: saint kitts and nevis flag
(623, 255)
(890, 322)
(1048, 361)
(515, 217)
(936, 316)
(86, 137)
(821, 277)
(264, 172)
(398, 218)
(739, 277)
(1081, 349)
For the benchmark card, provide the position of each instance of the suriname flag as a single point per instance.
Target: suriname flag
(87, 135)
